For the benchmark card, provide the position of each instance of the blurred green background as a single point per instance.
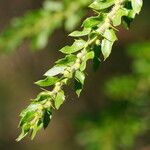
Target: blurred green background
(111, 114)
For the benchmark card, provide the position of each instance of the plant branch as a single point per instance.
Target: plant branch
(101, 34)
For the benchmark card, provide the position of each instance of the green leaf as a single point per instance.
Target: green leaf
(137, 5)
(77, 45)
(84, 32)
(80, 76)
(110, 35)
(24, 132)
(26, 117)
(47, 117)
(37, 126)
(83, 65)
(79, 81)
(93, 21)
(117, 18)
(107, 42)
(55, 71)
(67, 61)
(47, 81)
(128, 18)
(78, 87)
(89, 55)
(31, 108)
(106, 48)
(42, 96)
(96, 59)
(126, 21)
(131, 14)
(102, 4)
(60, 98)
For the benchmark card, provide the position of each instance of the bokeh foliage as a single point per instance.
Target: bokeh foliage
(38, 25)
(126, 117)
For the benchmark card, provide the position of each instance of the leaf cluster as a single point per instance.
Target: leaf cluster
(126, 117)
